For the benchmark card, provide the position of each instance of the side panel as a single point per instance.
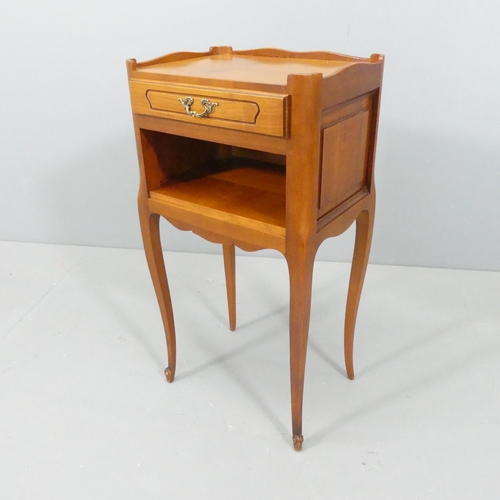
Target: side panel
(345, 156)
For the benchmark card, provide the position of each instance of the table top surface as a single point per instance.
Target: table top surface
(243, 68)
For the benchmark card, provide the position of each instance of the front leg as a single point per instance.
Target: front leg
(150, 228)
(300, 266)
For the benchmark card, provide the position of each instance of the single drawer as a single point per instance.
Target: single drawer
(260, 113)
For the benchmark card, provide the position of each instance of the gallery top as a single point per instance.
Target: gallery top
(222, 65)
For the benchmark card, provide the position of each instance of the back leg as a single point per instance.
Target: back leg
(230, 271)
(364, 230)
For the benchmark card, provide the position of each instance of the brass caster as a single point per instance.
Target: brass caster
(297, 442)
(169, 375)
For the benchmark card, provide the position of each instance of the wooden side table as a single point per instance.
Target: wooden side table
(259, 149)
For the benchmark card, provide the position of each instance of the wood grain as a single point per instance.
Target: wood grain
(227, 197)
(344, 162)
(229, 67)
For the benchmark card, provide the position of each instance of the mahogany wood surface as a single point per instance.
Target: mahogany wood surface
(284, 162)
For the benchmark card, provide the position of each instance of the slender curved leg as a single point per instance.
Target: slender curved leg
(301, 270)
(364, 230)
(150, 228)
(230, 270)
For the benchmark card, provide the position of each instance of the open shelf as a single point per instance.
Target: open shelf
(228, 184)
(250, 191)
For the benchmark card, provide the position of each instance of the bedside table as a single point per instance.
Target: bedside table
(259, 149)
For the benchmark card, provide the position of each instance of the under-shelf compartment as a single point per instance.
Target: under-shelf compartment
(232, 185)
(237, 195)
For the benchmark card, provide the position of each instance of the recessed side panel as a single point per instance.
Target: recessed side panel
(344, 161)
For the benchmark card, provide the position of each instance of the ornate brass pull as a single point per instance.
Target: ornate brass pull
(188, 102)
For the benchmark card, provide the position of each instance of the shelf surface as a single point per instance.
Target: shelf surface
(252, 69)
(248, 196)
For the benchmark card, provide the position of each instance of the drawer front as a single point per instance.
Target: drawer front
(250, 112)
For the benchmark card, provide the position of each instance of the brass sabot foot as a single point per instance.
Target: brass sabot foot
(169, 375)
(297, 442)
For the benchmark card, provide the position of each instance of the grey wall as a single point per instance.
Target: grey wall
(68, 164)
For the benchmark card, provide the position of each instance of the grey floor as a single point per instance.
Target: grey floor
(87, 414)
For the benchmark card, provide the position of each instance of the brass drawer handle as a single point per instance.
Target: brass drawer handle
(188, 102)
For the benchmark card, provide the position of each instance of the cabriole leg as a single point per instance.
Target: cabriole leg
(301, 270)
(150, 228)
(364, 230)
